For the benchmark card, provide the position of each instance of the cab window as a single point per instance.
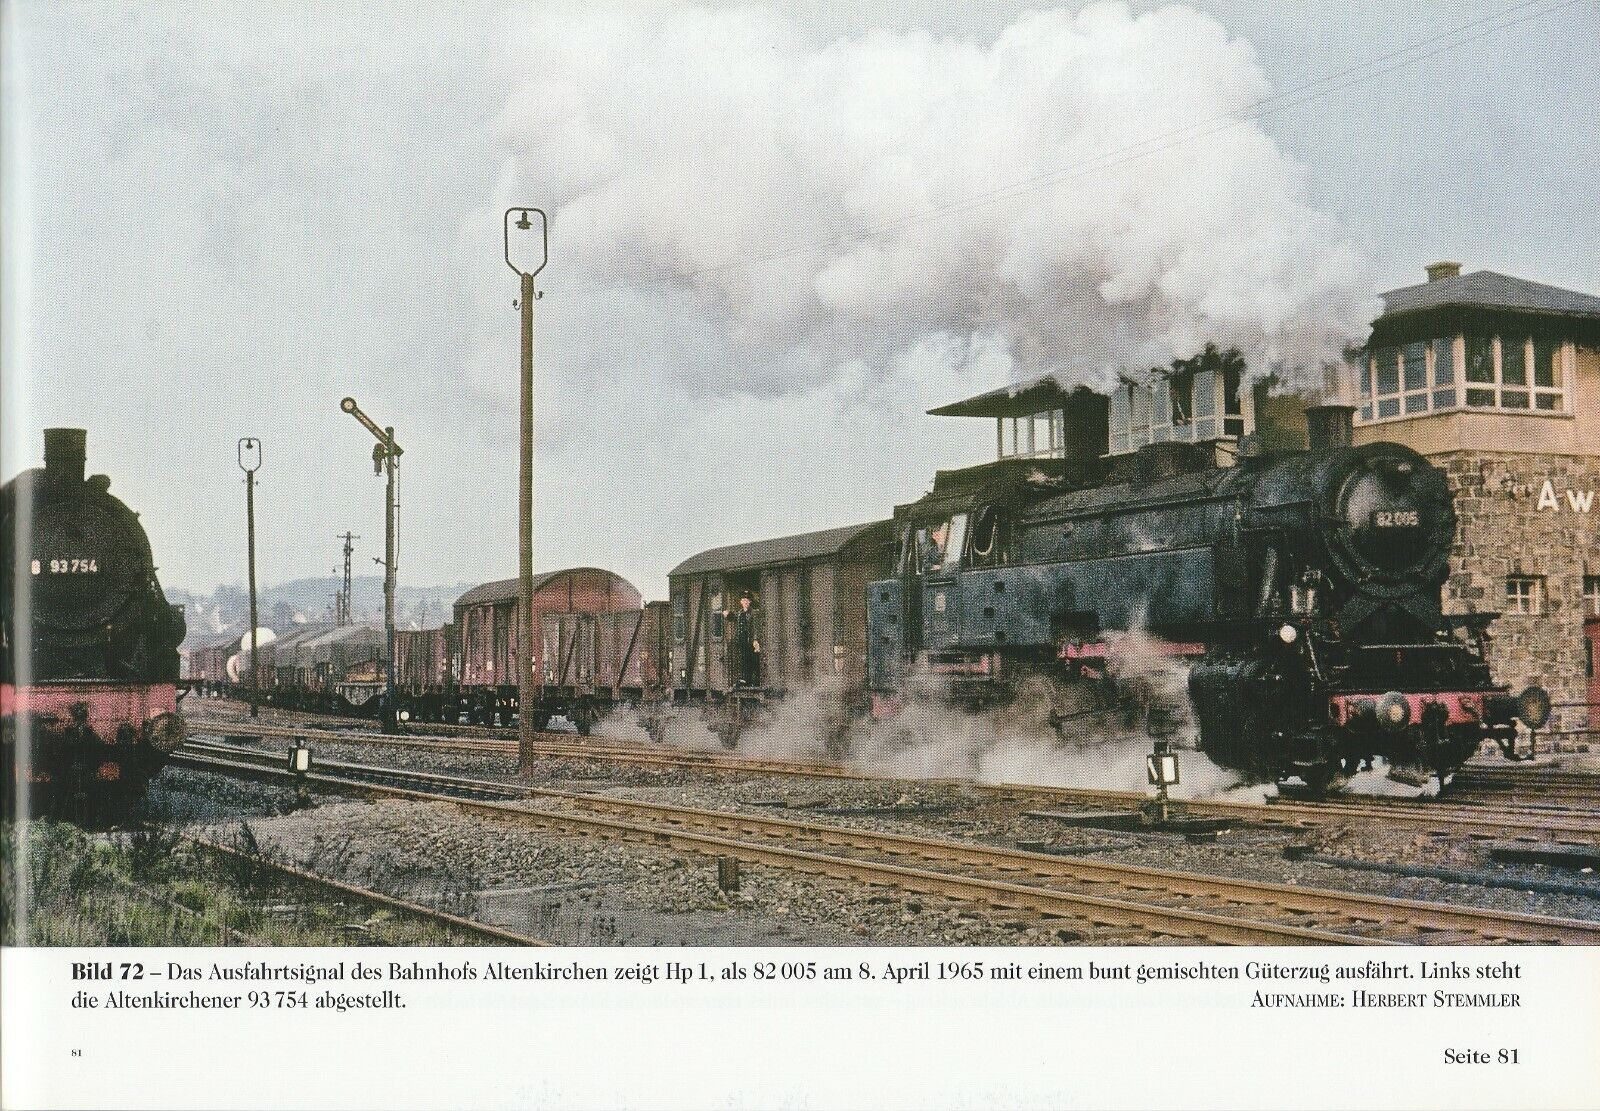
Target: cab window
(940, 545)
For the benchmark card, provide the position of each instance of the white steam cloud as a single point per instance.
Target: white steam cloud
(854, 199)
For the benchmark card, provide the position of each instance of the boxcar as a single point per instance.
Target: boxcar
(577, 684)
(595, 662)
(809, 596)
(426, 668)
(338, 670)
(206, 661)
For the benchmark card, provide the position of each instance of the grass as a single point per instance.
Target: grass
(152, 887)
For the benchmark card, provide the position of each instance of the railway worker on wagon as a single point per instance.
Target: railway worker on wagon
(746, 645)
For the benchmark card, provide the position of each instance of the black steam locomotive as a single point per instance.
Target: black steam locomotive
(1303, 588)
(88, 643)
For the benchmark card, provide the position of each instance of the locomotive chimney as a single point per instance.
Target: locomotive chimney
(1329, 426)
(64, 454)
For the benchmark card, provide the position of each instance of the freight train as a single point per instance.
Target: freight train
(88, 643)
(598, 647)
(1299, 588)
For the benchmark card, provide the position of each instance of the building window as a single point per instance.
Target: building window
(1041, 434)
(1591, 595)
(1549, 375)
(1232, 402)
(1480, 371)
(1525, 594)
(1119, 444)
(1487, 372)
(1444, 373)
(1186, 407)
(1516, 373)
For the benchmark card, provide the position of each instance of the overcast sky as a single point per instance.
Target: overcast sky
(779, 234)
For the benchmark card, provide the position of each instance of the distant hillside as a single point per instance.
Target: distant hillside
(227, 609)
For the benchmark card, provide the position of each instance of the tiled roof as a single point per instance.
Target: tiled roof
(1489, 290)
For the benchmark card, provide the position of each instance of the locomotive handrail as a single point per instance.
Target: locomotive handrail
(1125, 506)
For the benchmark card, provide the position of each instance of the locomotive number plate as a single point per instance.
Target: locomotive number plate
(1396, 518)
(67, 567)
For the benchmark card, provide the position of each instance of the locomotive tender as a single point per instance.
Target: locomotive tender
(88, 642)
(1304, 587)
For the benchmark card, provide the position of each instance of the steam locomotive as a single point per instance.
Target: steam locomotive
(88, 643)
(1301, 588)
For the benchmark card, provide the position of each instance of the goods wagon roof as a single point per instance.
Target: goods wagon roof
(505, 590)
(204, 642)
(784, 549)
(341, 633)
(299, 634)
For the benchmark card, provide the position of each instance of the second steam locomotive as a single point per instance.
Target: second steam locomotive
(88, 643)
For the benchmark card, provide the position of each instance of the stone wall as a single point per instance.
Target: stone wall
(1517, 518)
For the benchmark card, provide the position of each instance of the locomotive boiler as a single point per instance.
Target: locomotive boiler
(88, 642)
(1301, 588)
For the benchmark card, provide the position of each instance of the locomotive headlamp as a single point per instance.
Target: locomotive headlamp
(300, 757)
(1288, 634)
(1394, 712)
(405, 715)
(1533, 707)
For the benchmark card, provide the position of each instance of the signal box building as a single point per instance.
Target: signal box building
(1494, 378)
(1497, 380)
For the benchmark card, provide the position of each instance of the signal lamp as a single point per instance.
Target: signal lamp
(1288, 634)
(1161, 766)
(300, 757)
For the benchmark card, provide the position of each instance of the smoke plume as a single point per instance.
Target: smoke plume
(859, 198)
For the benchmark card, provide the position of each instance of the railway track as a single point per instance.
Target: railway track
(1135, 902)
(366, 894)
(1498, 819)
(1530, 786)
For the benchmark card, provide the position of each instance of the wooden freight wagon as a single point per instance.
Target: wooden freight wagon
(426, 664)
(486, 623)
(596, 662)
(341, 671)
(206, 662)
(808, 594)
